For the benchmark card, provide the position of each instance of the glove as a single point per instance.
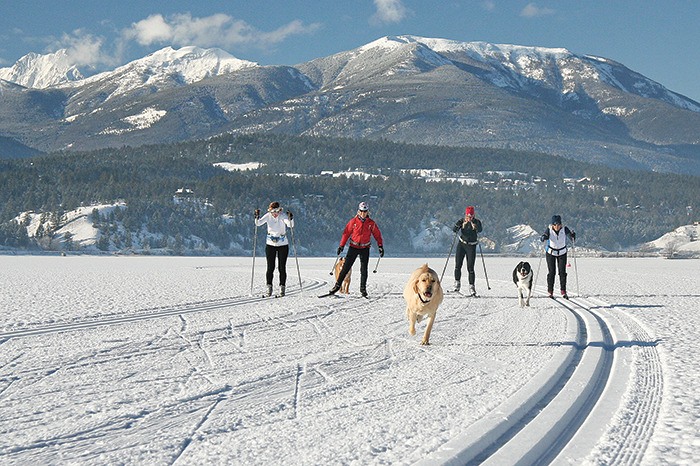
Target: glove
(340, 250)
(573, 236)
(381, 251)
(455, 228)
(290, 215)
(256, 214)
(542, 238)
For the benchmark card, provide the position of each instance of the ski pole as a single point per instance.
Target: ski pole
(483, 262)
(255, 243)
(294, 245)
(573, 254)
(448, 256)
(334, 263)
(539, 264)
(375, 267)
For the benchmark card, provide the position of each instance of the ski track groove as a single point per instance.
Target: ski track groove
(148, 314)
(645, 407)
(186, 442)
(548, 446)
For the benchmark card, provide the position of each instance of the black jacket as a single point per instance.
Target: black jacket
(467, 231)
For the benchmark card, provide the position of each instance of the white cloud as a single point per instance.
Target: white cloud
(531, 10)
(84, 49)
(489, 5)
(389, 11)
(219, 30)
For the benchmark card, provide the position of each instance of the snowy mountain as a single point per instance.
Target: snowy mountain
(400, 88)
(42, 71)
(164, 69)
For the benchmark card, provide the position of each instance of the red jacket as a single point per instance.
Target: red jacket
(359, 233)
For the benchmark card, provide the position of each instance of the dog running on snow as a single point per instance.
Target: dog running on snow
(423, 294)
(522, 277)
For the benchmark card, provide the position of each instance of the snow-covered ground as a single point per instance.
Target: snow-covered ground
(152, 360)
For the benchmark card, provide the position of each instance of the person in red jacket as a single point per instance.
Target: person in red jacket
(359, 231)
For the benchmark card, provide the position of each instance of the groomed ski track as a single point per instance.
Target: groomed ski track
(556, 417)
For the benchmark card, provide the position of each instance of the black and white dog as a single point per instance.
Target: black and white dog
(522, 277)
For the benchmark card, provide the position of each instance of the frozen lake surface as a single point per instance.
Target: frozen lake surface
(153, 360)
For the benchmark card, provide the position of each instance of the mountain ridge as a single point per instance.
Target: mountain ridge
(401, 88)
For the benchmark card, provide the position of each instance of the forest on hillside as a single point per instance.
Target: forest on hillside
(612, 209)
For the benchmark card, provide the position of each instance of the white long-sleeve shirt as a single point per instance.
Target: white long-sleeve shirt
(276, 228)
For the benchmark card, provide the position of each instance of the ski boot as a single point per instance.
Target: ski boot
(457, 286)
(269, 291)
(472, 290)
(564, 295)
(282, 290)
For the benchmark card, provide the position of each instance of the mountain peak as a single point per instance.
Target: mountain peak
(42, 71)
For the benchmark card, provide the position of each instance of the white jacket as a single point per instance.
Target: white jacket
(556, 242)
(276, 228)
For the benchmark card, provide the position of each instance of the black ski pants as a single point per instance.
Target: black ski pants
(276, 252)
(364, 264)
(554, 262)
(468, 251)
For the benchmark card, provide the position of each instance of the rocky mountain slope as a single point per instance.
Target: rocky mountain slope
(403, 88)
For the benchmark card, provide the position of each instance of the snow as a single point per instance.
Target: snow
(42, 71)
(156, 360)
(683, 240)
(234, 167)
(143, 120)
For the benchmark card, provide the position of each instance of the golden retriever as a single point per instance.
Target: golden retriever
(423, 295)
(345, 286)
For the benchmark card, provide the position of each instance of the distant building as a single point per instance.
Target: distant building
(183, 195)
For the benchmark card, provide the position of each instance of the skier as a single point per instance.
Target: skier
(468, 228)
(359, 231)
(277, 245)
(556, 250)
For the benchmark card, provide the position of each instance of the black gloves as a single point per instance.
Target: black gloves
(542, 238)
(340, 250)
(256, 214)
(573, 236)
(455, 228)
(290, 215)
(381, 251)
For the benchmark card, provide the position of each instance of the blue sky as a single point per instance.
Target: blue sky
(661, 40)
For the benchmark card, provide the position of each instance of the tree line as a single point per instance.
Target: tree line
(615, 209)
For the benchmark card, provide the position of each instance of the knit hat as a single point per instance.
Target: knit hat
(469, 211)
(556, 219)
(363, 207)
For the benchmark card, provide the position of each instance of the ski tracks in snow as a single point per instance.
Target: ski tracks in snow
(599, 394)
(602, 402)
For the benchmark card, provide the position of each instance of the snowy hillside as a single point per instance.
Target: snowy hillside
(80, 230)
(682, 242)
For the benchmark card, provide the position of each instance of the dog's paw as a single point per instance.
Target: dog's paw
(412, 330)
(425, 342)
